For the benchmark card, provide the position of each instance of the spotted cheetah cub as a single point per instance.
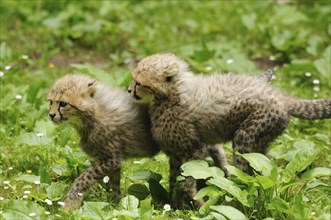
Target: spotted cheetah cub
(111, 126)
(189, 112)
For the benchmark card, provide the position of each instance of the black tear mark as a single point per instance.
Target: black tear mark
(91, 83)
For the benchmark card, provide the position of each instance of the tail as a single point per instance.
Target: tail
(310, 109)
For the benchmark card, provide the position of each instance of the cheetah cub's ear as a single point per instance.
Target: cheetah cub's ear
(91, 89)
(170, 72)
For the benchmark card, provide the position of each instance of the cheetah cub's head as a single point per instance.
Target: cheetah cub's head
(156, 76)
(71, 97)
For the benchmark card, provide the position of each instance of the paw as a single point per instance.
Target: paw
(70, 204)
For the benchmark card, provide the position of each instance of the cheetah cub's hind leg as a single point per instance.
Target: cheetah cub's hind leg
(181, 193)
(217, 153)
(89, 178)
(256, 132)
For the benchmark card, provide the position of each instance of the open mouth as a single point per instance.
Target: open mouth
(59, 120)
(136, 96)
(63, 119)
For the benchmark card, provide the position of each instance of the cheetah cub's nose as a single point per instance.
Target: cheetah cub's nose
(129, 90)
(51, 116)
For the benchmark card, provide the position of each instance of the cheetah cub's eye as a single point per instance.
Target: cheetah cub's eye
(169, 78)
(63, 104)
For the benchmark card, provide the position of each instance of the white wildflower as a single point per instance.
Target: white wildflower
(49, 202)
(6, 182)
(127, 60)
(167, 207)
(1, 198)
(1, 74)
(18, 97)
(6, 187)
(47, 213)
(25, 196)
(316, 81)
(27, 192)
(32, 214)
(8, 67)
(60, 203)
(37, 182)
(209, 68)
(106, 179)
(308, 74)
(313, 213)
(229, 61)
(10, 168)
(25, 57)
(136, 162)
(39, 134)
(272, 58)
(316, 88)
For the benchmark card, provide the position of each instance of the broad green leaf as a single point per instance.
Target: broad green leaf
(229, 212)
(218, 216)
(28, 178)
(5, 52)
(33, 139)
(285, 186)
(301, 160)
(146, 209)
(323, 138)
(198, 169)
(316, 172)
(249, 21)
(280, 205)
(159, 194)
(17, 209)
(205, 208)
(44, 175)
(128, 214)
(323, 65)
(296, 148)
(138, 190)
(216, 171)
(240, 174)
(259, 162)
(265, 182)
(55, 191)
(130, 203)
(316, 184)
(207, 191)
(93, 210)
(61, 169)
(299, 208)
(231, 188)
(44, 128)
(146, 175)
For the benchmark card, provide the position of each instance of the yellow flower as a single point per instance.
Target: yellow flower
(29, 171)
(51, 65)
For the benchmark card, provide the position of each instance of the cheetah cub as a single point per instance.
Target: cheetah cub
(189, 112)
(111, 126)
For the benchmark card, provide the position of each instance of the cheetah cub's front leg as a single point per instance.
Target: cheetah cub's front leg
(89, 178)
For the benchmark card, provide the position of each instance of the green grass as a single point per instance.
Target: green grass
(41, 41)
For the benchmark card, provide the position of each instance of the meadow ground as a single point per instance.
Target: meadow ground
(43, 40)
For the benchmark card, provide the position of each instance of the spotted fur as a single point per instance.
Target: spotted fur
(111, 126)
(191, 111)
